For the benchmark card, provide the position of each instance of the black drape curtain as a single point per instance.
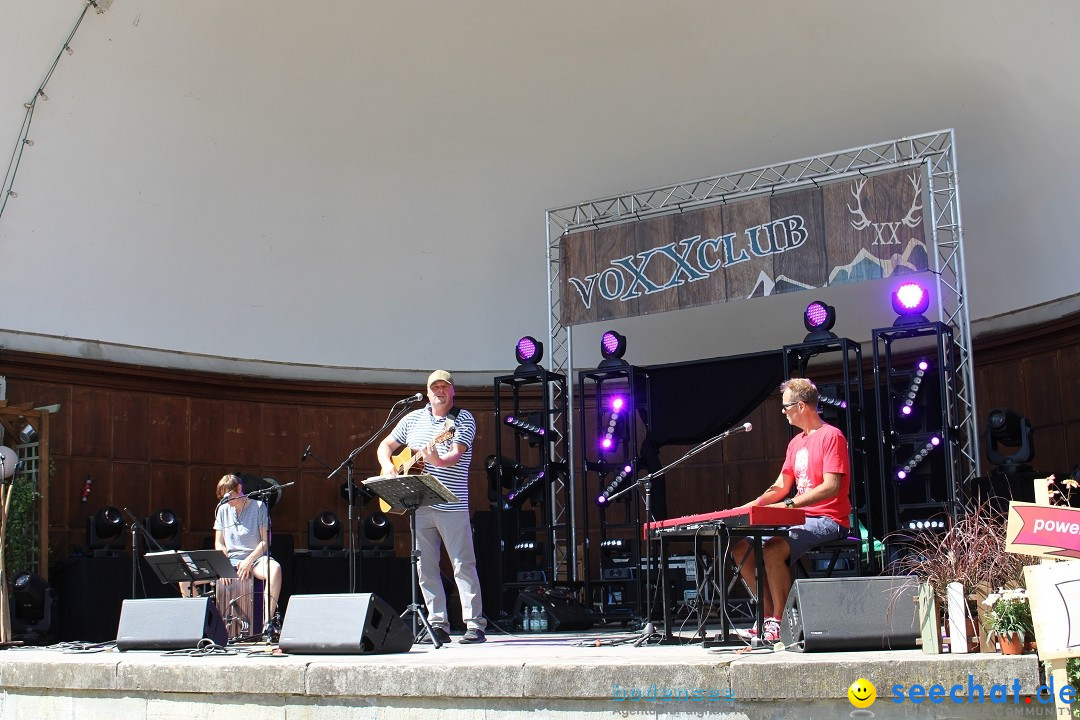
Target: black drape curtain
(694, 401)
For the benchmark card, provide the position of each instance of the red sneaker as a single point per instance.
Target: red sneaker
(772, 630)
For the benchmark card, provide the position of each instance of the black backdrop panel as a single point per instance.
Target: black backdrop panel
(91, 590)
(387, 577)
(693, 401)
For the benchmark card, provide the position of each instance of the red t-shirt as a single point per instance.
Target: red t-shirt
(809, 457)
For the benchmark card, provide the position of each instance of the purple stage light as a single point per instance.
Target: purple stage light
(606, 443)
(913, 388)
(524, 425)
(605, 497)
(909, 302)
(612, 349)
(818, 319)
(617, 403)
(527, 349)
(816, 314)
(911, 295)
(609, 343)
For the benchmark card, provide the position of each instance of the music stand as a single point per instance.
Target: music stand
(190, 566)
(409, 492)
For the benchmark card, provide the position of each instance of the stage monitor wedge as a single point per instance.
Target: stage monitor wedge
(840, 614)
(169, 624)
(343, 624)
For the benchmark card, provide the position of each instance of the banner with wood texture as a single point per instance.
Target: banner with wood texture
(848, 231)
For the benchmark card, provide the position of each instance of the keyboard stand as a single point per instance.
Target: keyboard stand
(722, 534)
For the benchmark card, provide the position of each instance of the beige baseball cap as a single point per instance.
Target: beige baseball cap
(440, 375)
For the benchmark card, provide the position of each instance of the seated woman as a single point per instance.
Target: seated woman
(241, 531)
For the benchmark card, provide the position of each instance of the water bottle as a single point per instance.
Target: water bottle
(526, 619)
(543, 619)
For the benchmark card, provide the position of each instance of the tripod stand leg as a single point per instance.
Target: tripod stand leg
(414, 607)
(416, 612)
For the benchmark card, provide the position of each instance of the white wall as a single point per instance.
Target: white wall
(363, 184)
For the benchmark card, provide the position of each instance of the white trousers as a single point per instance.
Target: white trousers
(434, 528)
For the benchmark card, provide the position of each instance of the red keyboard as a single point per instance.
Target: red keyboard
(736, 517)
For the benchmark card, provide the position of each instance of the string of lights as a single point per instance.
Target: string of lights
(7, 189)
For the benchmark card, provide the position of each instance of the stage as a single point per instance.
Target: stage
(554, 675)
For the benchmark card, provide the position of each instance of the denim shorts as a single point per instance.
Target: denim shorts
(816, 530)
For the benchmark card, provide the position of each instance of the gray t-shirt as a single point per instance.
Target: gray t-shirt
(241, 531)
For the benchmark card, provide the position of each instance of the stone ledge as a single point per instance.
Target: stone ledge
(508, 672)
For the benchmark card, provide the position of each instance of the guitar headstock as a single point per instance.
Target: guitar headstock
(446, 434)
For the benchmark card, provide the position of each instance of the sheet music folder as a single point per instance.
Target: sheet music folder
(410, 491)
(173, 566)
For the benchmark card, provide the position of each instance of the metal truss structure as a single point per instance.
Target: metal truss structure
(935, 151)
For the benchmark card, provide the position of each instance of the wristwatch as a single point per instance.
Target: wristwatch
(789, 503)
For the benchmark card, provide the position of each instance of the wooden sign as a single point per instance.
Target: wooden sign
(1043, 530)
(848, 231)
(1053, 589)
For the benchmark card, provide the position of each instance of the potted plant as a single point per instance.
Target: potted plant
(1009, 619)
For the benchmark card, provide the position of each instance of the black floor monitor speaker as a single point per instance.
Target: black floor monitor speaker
(169, 624)
(837, 614)
(347, 624)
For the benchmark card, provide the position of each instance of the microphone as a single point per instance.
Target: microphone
(745, 427)
(414, 398)
(305, 454)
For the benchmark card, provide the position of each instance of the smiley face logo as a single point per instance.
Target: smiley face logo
(862, 693)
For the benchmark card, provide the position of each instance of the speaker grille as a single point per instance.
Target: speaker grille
(875, 613)
(349, 623)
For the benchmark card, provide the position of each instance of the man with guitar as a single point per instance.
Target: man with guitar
(817, 465)
(438, 439)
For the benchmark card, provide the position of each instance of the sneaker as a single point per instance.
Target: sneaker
(472, 636)
(442, 636)
(747, 634)
(772, 631)
(272, 629)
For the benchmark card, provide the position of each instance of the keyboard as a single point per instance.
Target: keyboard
(736, 518)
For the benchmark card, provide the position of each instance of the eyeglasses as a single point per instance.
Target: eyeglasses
(785, 406)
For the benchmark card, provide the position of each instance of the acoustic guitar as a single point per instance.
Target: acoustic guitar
(407, 463)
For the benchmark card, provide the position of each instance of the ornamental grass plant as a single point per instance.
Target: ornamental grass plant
(970, 552)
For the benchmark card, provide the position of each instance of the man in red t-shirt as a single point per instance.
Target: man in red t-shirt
(817, 465)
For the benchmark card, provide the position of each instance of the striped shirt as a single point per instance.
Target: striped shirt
(419, 427)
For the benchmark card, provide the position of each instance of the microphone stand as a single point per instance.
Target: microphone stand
(649, 631)
(137, 526)
(262, 494)
(396, 414)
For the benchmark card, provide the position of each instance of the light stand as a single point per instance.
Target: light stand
(649, 631)
(396, 413)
